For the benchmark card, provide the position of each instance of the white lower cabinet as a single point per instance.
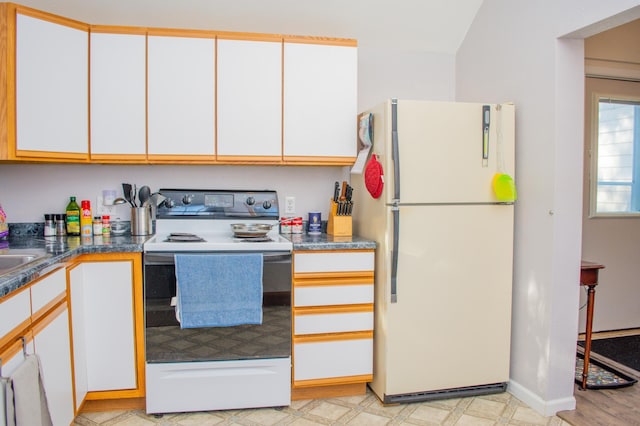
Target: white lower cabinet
(53, 345)
(332, 322)
(39, 314)
(103, 306)
(333, 358)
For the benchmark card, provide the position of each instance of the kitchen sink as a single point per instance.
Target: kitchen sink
(15, 258)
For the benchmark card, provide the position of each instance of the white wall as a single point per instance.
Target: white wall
(27, 191)
(512, 52)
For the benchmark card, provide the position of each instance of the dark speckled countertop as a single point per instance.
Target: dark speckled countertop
(328, 242)
(57, 250)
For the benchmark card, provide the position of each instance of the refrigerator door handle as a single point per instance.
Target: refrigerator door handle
(394, 252)
(395, 153)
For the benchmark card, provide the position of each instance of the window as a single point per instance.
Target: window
(615, 153)
(618, 156)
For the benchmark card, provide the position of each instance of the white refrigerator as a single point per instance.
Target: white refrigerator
(444, 258)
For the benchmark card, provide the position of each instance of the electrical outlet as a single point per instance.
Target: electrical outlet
(289, 205)
(101, 209)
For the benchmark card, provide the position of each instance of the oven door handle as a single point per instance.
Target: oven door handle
(169, 258)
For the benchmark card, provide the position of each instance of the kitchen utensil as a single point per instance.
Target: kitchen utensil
(250, 230)
(126, 191)
(119, 201)
(144, 195)
(141, 221)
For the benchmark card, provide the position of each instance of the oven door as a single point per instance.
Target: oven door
(166, 342)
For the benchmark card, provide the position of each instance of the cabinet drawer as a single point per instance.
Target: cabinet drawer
(325, 295)
(14, 311)
(334, 261)
(47, 290)
(332, 322)
(332, 358)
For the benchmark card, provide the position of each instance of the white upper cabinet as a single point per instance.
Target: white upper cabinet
(320, 102)
(250, 99)
(52, 99)
(181, 97)
(118, 96)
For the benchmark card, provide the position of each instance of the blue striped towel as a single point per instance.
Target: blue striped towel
(218, 290)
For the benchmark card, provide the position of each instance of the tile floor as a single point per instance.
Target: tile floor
(363, 410)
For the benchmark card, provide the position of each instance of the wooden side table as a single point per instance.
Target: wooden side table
(589, 278)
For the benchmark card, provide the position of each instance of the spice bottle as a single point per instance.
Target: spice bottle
(49, 225)
(61, 225)
(73, 217)
(97, 225)
(85, 219)
(106, 225)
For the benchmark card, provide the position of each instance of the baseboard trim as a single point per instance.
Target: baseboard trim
(546, 408)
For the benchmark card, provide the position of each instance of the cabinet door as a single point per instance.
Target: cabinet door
(15, 313)
(320, 103)
(76, 299)
(52, 100)
(53, 346)
(109, 329)
(249, 100)
(118, 96)
(181, 97)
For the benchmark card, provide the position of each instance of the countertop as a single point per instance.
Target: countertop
(328, 242)
(59, 250)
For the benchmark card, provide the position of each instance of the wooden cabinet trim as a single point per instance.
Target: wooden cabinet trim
(180, 32)
(44, 321)
(14, 346)
(335, 309)
(117, 29)
(230, 35)
(50, 17)
(332, 337)
(304, 278)
(349, 42)
(363, 378)
(15, 334)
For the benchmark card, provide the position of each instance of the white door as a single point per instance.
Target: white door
(109, 325)
(181, 95)
(52, 87)
(441, 150)
(53, 346)
(320, 100)
(450, 326)
(118, 94)
(249, 98)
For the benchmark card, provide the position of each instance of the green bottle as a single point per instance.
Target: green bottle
(73, 217)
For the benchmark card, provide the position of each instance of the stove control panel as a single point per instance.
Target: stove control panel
(218, 204)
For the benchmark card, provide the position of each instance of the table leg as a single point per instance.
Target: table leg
(587, 338)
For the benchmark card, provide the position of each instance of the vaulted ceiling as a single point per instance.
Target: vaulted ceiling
(413, 25)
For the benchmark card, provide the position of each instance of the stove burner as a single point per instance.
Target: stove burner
(262, 239)
(181, 237)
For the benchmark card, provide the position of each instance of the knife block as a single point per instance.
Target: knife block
(339, 226)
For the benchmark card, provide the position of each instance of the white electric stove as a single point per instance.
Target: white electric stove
(216, 368)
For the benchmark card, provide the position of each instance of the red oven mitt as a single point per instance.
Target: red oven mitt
(373, 177)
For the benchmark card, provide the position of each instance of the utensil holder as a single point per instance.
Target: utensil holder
(141, 220)
(340, 226)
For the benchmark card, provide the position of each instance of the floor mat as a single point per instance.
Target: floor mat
(624, 350)
(601, 376)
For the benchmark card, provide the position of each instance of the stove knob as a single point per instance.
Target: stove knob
(169, 203)
(266, 205)
(187, 199)
(250, 201)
